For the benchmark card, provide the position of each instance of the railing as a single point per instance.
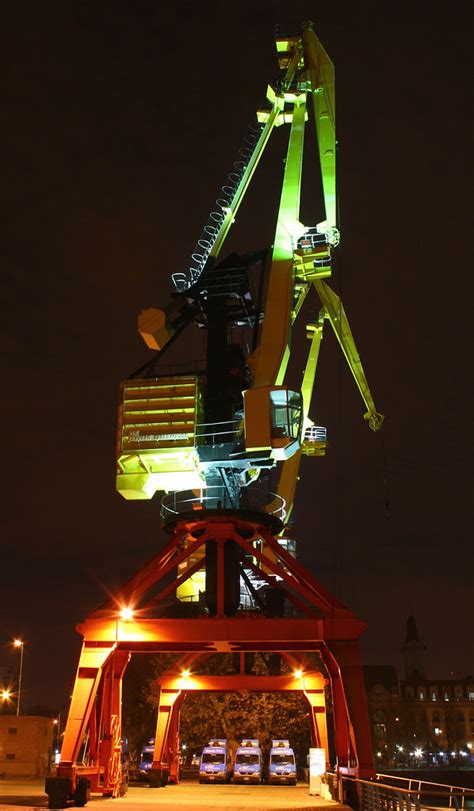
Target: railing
(455, 795)
(218, 498)
(315, 433)
(214, 433)
(414, 795)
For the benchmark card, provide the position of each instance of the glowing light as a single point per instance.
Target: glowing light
(185, 674)
(18, 643)
(298, 674)
(469, 745)
(379, 754)
(397, 718)
(418, 752)
(126, 613)
(5, 695)
(400, 748)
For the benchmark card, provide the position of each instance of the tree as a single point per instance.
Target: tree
(230, 715)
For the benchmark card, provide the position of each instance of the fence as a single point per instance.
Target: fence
(409, 795)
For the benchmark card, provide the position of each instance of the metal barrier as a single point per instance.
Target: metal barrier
(214, 433)
(456, 796)
(414, 795)
(217, 498)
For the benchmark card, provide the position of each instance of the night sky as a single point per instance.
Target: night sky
(121, 122)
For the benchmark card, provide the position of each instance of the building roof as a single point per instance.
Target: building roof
(383, 675)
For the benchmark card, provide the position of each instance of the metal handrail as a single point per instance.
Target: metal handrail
(217, 498)
(219, 429)
(377, 795)
(451, 792)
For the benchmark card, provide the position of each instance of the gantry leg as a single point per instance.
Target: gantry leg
(343, 732)
(66, 785)
(174, 752)
(110, 747)
(160, 768)
(318, 721)
(352, 690)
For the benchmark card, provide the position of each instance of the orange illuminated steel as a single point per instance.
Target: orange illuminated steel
(320, 624)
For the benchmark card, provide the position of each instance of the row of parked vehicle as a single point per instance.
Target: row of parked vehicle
(248, 766)
(218, 764)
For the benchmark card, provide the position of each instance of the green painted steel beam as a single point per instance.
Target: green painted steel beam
(322, 79)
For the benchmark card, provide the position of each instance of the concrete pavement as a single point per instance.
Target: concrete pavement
(186, 796)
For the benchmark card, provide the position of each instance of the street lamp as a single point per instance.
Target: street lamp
(18, 643)
(57, 724)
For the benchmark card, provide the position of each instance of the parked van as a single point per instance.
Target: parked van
(248, 762)
(282, 764)
(146, 759)
(215, 765)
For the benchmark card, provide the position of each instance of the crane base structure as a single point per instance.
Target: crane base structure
(295, 617)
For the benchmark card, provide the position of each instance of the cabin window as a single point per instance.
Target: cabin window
(286, 413)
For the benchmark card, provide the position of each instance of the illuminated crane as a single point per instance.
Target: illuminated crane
(222, 427)
(205, 438)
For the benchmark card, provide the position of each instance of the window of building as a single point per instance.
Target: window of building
(460, 725)
(446, 694)
(380, 727)
(458, 692)
(470, 692)
(421, 693)
(409, 691)
(10, 756)
(12, 730)
(434, 693)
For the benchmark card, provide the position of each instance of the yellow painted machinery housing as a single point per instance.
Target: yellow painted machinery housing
(156, 436)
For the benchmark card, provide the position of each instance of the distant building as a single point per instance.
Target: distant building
(5, 674)
(26, 745)
(418, 720)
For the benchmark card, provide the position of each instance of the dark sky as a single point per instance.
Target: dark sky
(121, 122)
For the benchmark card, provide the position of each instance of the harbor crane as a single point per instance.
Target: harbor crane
(209, 440)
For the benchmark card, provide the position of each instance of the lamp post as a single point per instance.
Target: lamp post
(57, 723)
(18, 643)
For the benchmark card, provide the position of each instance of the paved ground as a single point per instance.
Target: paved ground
(186, 796)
